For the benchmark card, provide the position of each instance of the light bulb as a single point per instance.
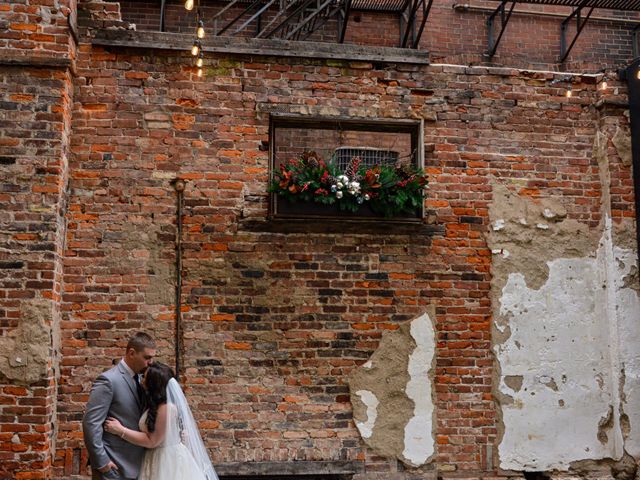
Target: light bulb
(188, 4)
(199, 72)
(200, 31)
(200, 60)
(638, 75)
(603, 85)
(195, 50)
(569, 92)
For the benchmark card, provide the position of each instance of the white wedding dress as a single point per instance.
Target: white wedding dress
(182, 454)
(171, 460)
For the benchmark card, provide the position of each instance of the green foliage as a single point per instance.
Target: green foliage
(388, 190)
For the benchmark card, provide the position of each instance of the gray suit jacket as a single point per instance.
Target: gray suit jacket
(113, 395)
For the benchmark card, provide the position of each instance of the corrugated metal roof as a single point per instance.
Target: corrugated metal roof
(380, 5)
(399, 5)
(627, 5)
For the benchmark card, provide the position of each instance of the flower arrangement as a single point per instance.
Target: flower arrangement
(388, 190)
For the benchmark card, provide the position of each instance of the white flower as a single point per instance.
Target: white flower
(343, 178)
(339, 185)
(334, 188)
(354, 187)
(338, 194)
(366, 196)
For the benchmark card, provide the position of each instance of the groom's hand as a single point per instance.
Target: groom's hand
(108, 467)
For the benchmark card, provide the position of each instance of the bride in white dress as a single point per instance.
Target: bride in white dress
(167, 429)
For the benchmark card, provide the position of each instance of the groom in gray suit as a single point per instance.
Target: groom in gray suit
(117, 393)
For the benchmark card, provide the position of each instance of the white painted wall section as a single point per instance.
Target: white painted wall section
(571, 365)
(628, 312)
(371, 402)
(418, 436)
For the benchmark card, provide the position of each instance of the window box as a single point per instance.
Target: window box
(365, 167)
(287, 209)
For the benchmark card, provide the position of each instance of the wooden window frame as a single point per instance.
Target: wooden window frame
(276, 121)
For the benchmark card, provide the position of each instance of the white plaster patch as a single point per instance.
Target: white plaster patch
(564, 345)
(368, 365)
(498, 225)
(542, 226)
(371, 402)
(418, 437)
(627, 309)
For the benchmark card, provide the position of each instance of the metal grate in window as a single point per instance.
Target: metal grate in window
(369, 156)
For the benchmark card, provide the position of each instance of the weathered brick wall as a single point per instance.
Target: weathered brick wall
(34, 157)
(451, 35)
(37, 29)
(274, 323)
(36, 53)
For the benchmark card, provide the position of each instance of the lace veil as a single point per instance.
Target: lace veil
(181, 427)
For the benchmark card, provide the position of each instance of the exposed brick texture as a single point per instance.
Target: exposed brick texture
(37, 28)
(35, 107)
(34, 142)
(273, 322)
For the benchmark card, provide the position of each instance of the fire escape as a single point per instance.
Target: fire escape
(297, 20)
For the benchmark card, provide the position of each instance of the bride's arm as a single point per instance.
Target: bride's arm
(142, 439)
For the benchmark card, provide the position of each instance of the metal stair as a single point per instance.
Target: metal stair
(294, 20)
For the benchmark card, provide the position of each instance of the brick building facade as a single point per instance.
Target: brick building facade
(496, 336)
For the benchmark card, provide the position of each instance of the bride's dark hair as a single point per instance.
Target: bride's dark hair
(156, 379)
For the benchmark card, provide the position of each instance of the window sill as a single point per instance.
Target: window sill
(337, 225)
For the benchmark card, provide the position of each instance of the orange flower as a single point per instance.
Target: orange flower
(286, 178)
(371, 177)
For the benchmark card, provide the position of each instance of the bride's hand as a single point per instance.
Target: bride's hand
(113, 426)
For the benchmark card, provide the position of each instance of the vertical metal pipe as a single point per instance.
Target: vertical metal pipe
(178, 185)
(345, 20)
(163, 4)
(564, 50)
(633, 81)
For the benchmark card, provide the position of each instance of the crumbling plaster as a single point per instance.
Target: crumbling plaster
(566, 330)
(392, 394)
(565, 346)
(26, 352)
(622, 141)
(147, 249)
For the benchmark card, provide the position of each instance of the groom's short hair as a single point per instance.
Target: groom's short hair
(140, 341)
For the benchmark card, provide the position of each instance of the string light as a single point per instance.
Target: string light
(195, 50)
(638, 75)
(565, 80)
(604, 83)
